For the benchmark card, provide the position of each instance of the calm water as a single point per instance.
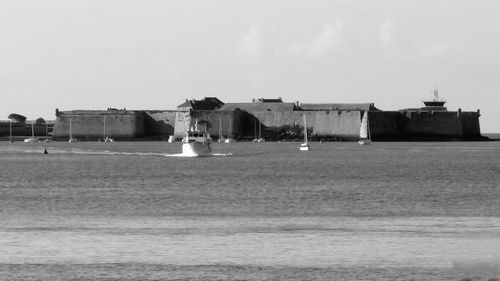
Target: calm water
(254, 211)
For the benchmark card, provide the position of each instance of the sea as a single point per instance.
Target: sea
(251, 211)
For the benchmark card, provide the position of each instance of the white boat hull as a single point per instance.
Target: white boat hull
(30, 140)
(196, 149)
(304, 147)
(364, 142)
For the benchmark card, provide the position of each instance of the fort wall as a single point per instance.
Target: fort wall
(420, 125)
(159, 123)
(275, 124)
(340, 125)
(437, 124)
(213, 121)
(24, 129)
(470, 124)
(336, 124)
(88, 125)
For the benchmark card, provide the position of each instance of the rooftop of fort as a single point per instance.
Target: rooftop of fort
(265, 104)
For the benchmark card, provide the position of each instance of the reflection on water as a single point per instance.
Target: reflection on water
(339, 211)
(287, 241)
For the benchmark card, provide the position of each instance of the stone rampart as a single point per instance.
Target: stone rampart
(470, 124)
(274, 125)
(424, 125)
(215, 122)
(25, 129)
(329, 124)
(159, 123)
(92, 125)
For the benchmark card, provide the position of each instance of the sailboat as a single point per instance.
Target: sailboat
(255, 131)
(229, 138)
(107, 138)
(10, 130)
(47, 139)
(221, 137)
(364, 130)
(260, 139)
(32, 139)
(305, 145)
(71, 139)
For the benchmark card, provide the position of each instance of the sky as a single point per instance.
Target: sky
(137, 54)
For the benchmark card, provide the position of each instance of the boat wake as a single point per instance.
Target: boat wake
(53, 150)
(191, 155)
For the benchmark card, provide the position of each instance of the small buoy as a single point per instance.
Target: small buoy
(44, 151)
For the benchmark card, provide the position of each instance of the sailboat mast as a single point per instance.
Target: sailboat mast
(33, 129)
(368, 126)
(10, 129)
(220, 126)
(255, 129)
(70, 129)
(104, 132)
(305, 128)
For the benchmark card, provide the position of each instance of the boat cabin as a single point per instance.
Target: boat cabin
(196, 136)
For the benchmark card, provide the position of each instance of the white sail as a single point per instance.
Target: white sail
(305, 145)
(363, 130)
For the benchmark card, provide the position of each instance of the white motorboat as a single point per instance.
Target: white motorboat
(196, 143)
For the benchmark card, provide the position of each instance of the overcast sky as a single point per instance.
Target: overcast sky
(95, 54)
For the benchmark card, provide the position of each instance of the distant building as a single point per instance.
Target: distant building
(207, 103)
